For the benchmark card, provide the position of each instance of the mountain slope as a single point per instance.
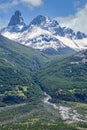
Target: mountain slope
(17, 63)
(65, 79)
(44, 34)
(27, 56)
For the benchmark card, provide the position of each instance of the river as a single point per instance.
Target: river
(67, 113)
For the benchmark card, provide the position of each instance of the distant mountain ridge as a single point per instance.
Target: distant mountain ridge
(44, 34)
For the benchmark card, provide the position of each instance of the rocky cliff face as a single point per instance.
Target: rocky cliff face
(16, 19)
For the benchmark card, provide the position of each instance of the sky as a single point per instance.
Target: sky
(70, 13)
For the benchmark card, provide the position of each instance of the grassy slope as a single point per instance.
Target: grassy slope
(20, 55)
(65, 79)
(17, 63)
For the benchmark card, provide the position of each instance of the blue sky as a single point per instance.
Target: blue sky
(62, 9)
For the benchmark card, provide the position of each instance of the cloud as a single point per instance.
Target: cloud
(33, 3)
(28, 3)
(76, 4)
(9, 4)
(78, 22)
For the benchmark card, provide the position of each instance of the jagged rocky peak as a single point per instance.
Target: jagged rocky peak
(81, 35)
(72, 34)
(16, 19)
(44, 22)
(54, 23)
(40, 20)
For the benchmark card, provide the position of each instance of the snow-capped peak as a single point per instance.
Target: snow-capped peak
(16, 23)
(44, 22)
(40, 21)
(44, 33)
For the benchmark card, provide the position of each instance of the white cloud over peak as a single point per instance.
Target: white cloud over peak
(77, 22)
(7, 5)
(33, 3)
(28, 3)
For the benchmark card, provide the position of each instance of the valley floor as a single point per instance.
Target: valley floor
(44, 115)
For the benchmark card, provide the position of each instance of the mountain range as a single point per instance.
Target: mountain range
(44, 34)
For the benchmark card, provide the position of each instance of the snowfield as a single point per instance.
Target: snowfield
(41, 39)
